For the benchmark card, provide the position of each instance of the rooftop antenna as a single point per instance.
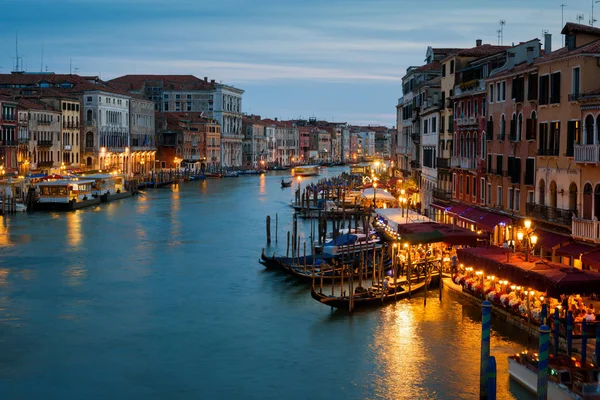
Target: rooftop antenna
(70, 66)
(17, 57)
(502, 23)
(592, 20)
(580, 18)
(562, 19)
(42, 62)
(498, 32)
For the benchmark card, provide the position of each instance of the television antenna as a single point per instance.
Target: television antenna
(502, 23)
(580, 18)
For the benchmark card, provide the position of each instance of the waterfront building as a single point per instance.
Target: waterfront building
(512, 97)
(142, 131)
(366, 142)
(303, 143)
(187, 93)
(429, 125)
(8, 134)
(255, 142)
(287, 144)
(69, 142)
(41, 138)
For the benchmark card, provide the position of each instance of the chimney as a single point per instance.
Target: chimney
(478, 42)
(206, 79)
(530, 54)
(547, 43)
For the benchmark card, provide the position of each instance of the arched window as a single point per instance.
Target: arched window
(513, 127)
(89, 139)
(597, 201)
(89, 116)
(468, 146)
(587, 201)
(553, 194)
(589, 130)
(573, 196)
(520, 128)
(483, 145)
(542, 193)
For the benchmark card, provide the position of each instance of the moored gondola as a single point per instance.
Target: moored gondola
(373, 297)
(285, 184)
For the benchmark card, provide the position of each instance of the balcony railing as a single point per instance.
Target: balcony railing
(44, 143)
(442, 194)
(466, 121)
(587, 153)
(476, 85)
(8, 143)
(90, 123)
(463, 162)
(547, 152)
(443, 163)
(587, 229)
(552, 214)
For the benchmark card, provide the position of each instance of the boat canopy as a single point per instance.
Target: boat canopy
(380, 194)
(552, 278)
(343, 240)
(433, 232)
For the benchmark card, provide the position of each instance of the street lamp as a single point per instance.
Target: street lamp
(374, 195)
(528, 236)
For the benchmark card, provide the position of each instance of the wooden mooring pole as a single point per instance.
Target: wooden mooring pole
(268, 229)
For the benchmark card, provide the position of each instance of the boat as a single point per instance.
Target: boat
(213, 175)
(372, 297)
(108, 187)
(306, 170)
(250, 172)
(567, 379)
(230, 174)
(349, 243)
(285, 184)
(66, 195)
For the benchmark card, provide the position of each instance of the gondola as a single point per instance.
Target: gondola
(285, 184)
(368, 298)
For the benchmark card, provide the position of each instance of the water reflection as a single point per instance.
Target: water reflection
(74, 235)
(75, 274)
(5, 239)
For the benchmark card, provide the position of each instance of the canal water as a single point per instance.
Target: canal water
(161, 297)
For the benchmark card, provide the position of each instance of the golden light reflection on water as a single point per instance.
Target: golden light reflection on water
(74, 229)
(263, 184)
(3, 277)
(175, 208)
(4, 233)
(75, 274)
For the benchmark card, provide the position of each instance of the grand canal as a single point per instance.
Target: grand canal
(161, 297)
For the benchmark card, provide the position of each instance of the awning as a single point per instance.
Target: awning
(490, 221)
(548, 240)
(574, 250)
(432, 232)
(592, 259)
(379, 194)
(473, 215)
(555, 279)
(439, 206)
(457, 209)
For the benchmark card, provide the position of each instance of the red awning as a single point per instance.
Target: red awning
(548, 240)
(433, 232)
(458, 209)
(575, 250)
(592, 259)
(439, 206)
(490, 221)
(473, 215)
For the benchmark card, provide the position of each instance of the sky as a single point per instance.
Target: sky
(338, 60)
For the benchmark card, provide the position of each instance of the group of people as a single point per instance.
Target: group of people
(578, 308)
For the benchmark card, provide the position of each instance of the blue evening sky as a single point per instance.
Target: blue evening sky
(332, 59)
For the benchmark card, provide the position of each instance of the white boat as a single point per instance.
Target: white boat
(561, 385)
(66, 194)
(349, 243)
(306, 170)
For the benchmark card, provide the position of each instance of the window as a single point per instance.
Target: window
(482, 190)
(517, 200)
(511, 199)
(498, 91)
(483, 107)
(468, 109)
(499, 160)
(530, 171)
(433, 125)
(489, 163)
(89, 99)
(530, 198)
(451, 67)
(499, 196)
(177, 97)
(531, 127)
(554, 139)
(543, 140)
(489, 193)
(491, 93)
(572, 137)
(575, 83)
(443, 70)
(467, 182)
(544, 89)
(518, 89)
(532, 86)
(166, 96)
(555, 88)
(475, 103)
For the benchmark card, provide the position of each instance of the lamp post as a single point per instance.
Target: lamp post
(374, 195)
(528, 236)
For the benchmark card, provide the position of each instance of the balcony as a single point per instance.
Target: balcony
(551, 214)
(44, 143)
(415, 164)
(466, 121)
(476, 85)
(586, 229)
(442, 194)
(587, 153)
(442, 162)
(463, 162)
(68, 147)
(416, 137)
(8, 143)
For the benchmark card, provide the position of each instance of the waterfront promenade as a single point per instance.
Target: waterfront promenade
(161, 296)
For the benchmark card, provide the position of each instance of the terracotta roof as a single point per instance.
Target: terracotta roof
(76, 83)
(517, 69)
(433, 66)
(441, 50)
(34, 105)
(593, 47)
(168, 82)
(571, 27)
(479, 51)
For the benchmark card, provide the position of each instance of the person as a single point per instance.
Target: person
(578, 316)
(589, 316)
(454, 261)
(386, 283)
(591, 308)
